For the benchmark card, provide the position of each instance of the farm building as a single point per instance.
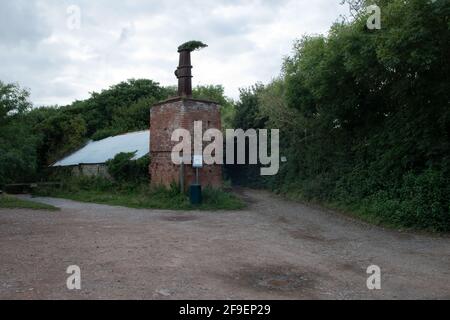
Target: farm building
(91, 159)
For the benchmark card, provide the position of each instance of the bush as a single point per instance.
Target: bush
(425, 200)
(123, 169)
(419, 201)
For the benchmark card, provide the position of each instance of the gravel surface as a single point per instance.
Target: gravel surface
(274, 249)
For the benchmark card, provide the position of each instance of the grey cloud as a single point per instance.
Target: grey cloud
(20, 22)
(123, 39)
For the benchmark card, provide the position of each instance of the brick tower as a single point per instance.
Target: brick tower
(175, 113)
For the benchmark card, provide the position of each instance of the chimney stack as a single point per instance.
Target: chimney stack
(184, 74)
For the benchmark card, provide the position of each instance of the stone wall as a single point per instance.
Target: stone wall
(91, 170)
(168, 116)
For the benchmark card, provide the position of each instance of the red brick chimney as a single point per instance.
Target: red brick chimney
(184, 74)
(181, 113)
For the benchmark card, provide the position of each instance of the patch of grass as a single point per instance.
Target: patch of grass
(385, 213)
(9, 202)
(141, 196)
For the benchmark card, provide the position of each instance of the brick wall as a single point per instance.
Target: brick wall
(168, 116)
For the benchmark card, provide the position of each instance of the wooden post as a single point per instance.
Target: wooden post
(182, 178)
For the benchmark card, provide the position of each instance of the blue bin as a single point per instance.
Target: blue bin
(195, 194)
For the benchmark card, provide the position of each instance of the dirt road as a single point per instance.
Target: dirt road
(275, 249)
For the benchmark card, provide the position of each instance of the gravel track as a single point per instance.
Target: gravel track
(274, 249)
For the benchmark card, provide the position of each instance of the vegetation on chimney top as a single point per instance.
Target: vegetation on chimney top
(192, 46)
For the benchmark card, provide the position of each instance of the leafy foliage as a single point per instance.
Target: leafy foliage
(13, 101)
(216, 93)
(122, 168)
(18, 155)
(364, 116)
(192, 46)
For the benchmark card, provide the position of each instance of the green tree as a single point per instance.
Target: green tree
(13, 101)
(216, 93)
(247, 109)
(364, 115)
(18, 157)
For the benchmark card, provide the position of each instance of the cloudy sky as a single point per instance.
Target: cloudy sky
(60, 58)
